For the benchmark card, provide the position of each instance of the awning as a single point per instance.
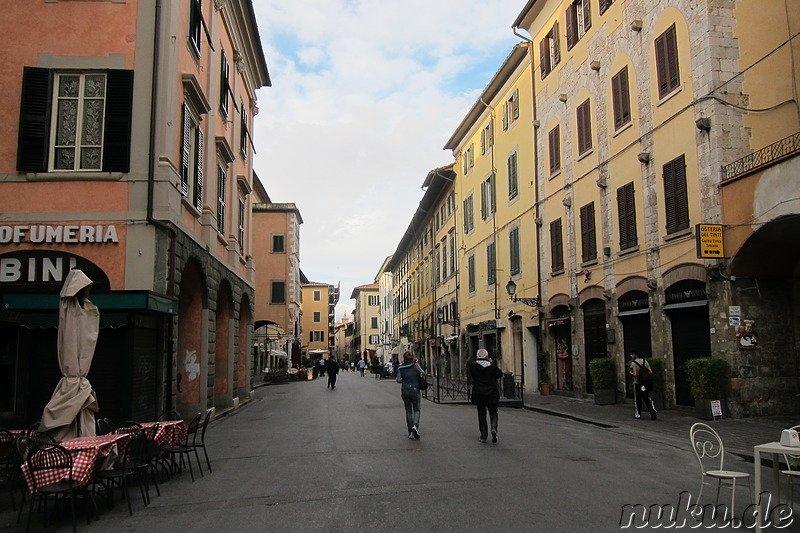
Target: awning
(633, 312)
(563, 321)
(683, 305)
(107, 301)
(278, 353)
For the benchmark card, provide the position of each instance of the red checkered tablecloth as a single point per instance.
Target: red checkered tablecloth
(172, 432)
(88, 454)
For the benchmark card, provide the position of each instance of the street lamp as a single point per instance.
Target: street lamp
(511, 288)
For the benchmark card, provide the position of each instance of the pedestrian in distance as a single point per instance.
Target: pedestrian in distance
(362, 365)
(408, 376)
(485, 394)
(643, 384)
(332, 367)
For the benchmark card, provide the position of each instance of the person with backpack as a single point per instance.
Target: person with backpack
(408, 374)
(643, 384)
(485, 394)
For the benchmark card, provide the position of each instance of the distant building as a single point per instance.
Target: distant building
(366, 335)
(319, 307)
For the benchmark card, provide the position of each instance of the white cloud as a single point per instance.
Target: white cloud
(365, 94)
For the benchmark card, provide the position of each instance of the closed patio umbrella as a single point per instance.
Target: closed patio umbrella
(70, 412)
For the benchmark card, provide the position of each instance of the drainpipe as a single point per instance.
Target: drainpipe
(170, 333)
(537, 204)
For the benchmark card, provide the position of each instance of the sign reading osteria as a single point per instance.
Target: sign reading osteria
(709, 241)
(61, 233)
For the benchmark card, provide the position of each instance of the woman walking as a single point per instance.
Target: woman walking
(485, 394)
(408, 375)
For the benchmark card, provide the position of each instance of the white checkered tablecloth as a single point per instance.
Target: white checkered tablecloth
(171, 432)
(88, 453)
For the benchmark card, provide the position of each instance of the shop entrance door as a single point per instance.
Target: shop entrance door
(690, 339)
(594, 334)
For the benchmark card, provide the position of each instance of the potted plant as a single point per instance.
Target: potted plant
(544, 372)
(709, 381)
(603, 371)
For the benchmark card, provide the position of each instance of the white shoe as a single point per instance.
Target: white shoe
(410, 435)
(415, 432)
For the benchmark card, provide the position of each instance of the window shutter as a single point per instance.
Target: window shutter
(625, 98)
(186, 150)
(572, 22)
(587, 15)
(492, 194)
(669, 196)
(631, 218)
(604, 4)
(117, 128)
(681, 195)
(483, 142)
(555, 149)
(198, 177)
(627, 216)
(671, 43)
(557, 259)
(491, 133)
(584, 128)
(544, 65)
(34, 120)
(623, 226)
(556, 47)
(484, 200)
(515, 98)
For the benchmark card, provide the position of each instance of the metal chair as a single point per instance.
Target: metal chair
(53, 457)
(104, 426)
(202, 443)
(170, 416)
(710, 454)
(185, 449)
(792, 471)
(8, 464)
(127, 427)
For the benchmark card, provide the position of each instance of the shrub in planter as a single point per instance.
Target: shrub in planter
(603, 371)
(709, 379)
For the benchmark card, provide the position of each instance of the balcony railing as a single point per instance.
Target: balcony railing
(763, 157)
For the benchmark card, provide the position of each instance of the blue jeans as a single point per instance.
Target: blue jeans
(411, 403)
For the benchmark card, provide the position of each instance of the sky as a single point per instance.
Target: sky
(364, 96)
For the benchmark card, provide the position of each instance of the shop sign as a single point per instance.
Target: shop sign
(709, 241)
(67, 234)
(45, 271)
(688, 295)
(633, 304)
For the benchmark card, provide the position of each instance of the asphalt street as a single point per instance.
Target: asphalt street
(303, 458)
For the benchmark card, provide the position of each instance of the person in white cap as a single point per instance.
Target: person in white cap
(485, 394)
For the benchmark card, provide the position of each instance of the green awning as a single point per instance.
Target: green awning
(110, 301)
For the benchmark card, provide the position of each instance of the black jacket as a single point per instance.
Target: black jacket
(484, 381)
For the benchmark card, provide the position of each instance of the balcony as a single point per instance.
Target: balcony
(764, 157)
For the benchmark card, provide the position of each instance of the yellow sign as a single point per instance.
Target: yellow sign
(709, 241)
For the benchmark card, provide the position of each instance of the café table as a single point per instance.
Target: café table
(169, 432)
(776, 449)
(88, 454)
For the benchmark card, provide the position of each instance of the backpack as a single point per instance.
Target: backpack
(644, 375)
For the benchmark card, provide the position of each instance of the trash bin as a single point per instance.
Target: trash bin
(509, 390)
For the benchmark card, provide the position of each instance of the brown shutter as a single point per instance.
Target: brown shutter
(669, 196)
(544, 65)
(587, 15)
(672, 58)
(604, 4)
(681, 195)
(627, 216)
(661, 66)
(588, 236)
(572, 29)
(584, 127)
(556, 247)
(616, 100)
(554, 145)
(556, 47)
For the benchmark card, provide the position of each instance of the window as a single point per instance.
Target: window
(279, 244)
(513, 247)
(244, 134)
(192, 158)
(626, 208)
(452, 253)
(620, 97)
(241, 225)
(487, 197)
(579, 20)
(675, 195)
(221, 171)
(549, 53)
(224, 83)
(444, 259)
(588, 233)
(468, 159)
(491, 264)
(471, 272)
(372, 299)
(584, 128)
(317, 336)
(374, 322)
(513, 176)
(195, 22)
(605, 4)
(554, 149)
(469, 220)
(667, 62)
(75, 121)
(437, 273)
(317, 316)
(487, 137)
(278, 295)
(374, 339)
(511, 109)
(317, 296)
(556, 247)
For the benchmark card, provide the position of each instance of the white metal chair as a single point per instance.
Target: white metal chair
(792, 471)
(710, 454)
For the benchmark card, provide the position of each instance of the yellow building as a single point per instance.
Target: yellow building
(366, 318)
(638, 105)
(318, 307)
(494, 151)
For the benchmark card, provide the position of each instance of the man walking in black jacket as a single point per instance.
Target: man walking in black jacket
(485, 394)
